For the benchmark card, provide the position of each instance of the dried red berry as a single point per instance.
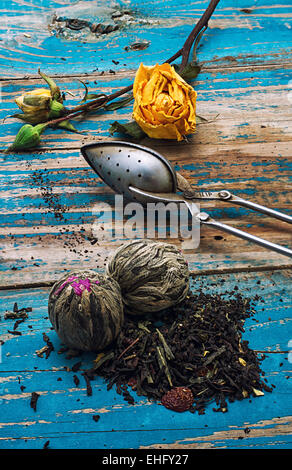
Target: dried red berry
(132, 383)
(178, 399)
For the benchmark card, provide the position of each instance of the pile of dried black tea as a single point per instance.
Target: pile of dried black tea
(197, 345)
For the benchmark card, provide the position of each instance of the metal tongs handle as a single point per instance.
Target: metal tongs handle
(227, 196)
(205, 219)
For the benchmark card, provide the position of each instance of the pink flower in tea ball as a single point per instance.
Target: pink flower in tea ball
(80, 285)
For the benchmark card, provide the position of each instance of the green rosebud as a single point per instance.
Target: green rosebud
(34, 101)
(27, 137)
(56, 109)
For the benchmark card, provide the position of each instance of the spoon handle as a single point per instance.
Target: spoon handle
(227, 196)
(207, 220)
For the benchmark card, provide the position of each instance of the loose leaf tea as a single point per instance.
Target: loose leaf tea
(191, 353)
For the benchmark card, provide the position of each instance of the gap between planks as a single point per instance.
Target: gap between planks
(193, 274)
(128, 73)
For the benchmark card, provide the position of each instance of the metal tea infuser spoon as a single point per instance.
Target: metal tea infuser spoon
(143, 175)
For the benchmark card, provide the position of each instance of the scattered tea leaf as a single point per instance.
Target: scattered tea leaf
(33, 400)
(258, 393)
(76, 380)
(46, 445)
(242, 361)
(167, 349)
(14, 332)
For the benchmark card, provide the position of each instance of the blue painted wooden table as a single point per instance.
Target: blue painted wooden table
(50, 198)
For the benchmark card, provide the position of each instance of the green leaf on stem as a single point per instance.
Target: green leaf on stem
(31, 118)
(68, 126)
(119, 103)
(200, 119)
(90, 96)
(130, 128)
(55, 90)
(197, 42)
(192, 69)
(190, 72)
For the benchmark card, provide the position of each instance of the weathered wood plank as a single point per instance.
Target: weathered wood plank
(242, 104)
(64, 411)
(50, 216)
(245, 150)
(235, 35)
(53, 201)
(266, 434)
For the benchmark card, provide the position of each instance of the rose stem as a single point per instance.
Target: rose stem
(203, 22)
(184, 51)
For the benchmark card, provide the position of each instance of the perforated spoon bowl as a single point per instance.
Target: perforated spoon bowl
(144, 175)
(121, 165)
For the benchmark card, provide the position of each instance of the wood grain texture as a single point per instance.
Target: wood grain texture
(247, 104)
(53, 205)
(246, 149)
(64, 411)
(261, 34)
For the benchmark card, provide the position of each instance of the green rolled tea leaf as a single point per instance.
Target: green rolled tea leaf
(102, 359)
(167, 349)
(130, 128)
(119, 104)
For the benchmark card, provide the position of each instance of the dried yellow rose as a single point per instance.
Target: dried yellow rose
(165, 105)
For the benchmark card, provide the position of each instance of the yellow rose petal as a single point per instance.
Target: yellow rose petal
(142, 75)
(165, 105)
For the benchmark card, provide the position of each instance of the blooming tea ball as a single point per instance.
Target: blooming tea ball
(86, 310)
(152, 275)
